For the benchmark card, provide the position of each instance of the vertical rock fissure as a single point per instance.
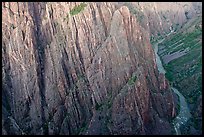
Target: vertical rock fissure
(111, 64)
(39, 58)
(102, 20)
(80, 56)
(76, 108)
(89, 45)
(64, 68)
(78, 48)
(101, 78)
(8, 80)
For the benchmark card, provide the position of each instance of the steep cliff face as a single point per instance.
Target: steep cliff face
(62, 73)
(160, 18)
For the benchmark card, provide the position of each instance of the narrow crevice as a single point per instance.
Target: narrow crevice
(66, 69)
(89, 44)
(78, 48)
(102, 20)
(8, 90)
(80, 56)
(40, 58)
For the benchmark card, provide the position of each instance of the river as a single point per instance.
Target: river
(184, 113)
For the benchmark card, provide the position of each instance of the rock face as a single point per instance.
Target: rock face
(160, 18)
(61, 72)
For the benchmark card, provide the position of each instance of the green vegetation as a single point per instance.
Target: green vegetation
(178, 105)
(45, 127)
(78, 9)
(98, 106)
(164, 17)
(154, 40)
(132, 80)
(196, 123)
(176, 27)
(182, 40)
(151, 39)
(83, 127)
(107, 103)
(139, 15)
(185, 72)
(169, 72)
(137, 12)
(199, 83)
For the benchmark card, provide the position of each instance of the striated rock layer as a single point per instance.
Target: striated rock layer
(60, 72)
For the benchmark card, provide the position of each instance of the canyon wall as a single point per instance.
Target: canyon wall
(58, 71)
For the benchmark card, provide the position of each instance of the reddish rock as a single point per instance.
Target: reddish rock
(57, 67)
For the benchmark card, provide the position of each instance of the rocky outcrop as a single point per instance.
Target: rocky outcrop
(58, 70)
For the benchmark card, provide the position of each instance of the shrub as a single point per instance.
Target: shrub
(169, 76)
(132, 80)
(164, 17)
(83, 128)
(98, 106)
(78, 9)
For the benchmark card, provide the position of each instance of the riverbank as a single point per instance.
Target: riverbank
(184, 113)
